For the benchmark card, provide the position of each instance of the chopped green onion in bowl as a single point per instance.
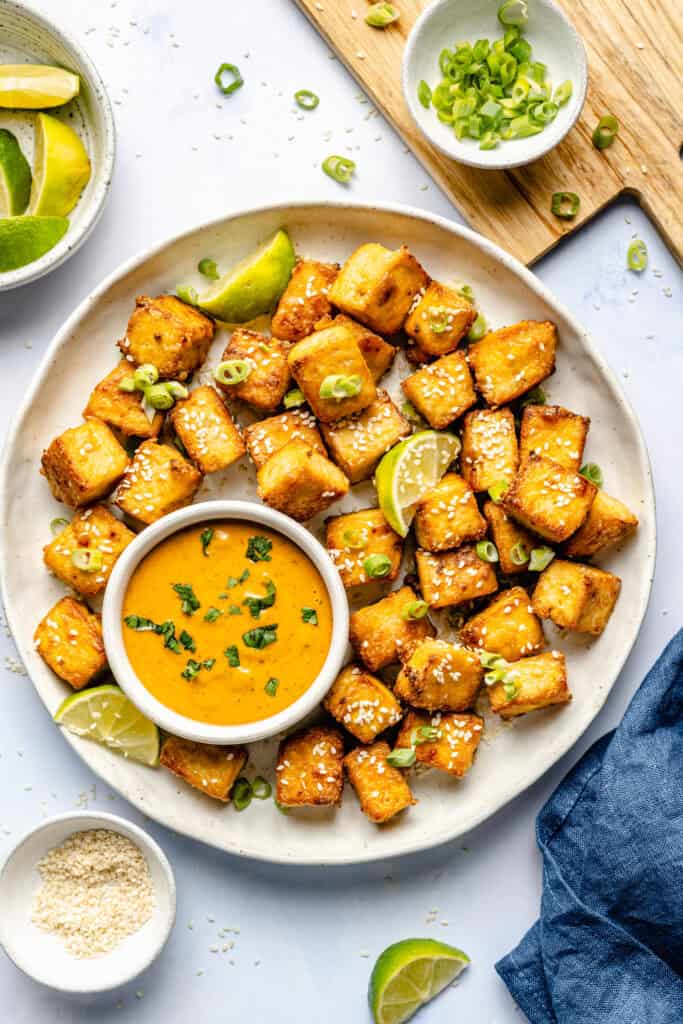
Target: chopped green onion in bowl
(513, 12)
(424, 94)
(636, 256)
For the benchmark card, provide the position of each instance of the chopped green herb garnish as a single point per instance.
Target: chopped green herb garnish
(234, 609)
(258, 549)
(187, 641)
(206, 536)
(208, 663)
(139, 623)
(271, 686)
(233, 656)
(257, 604)
(234, 581)
(260, 636)
(309, 615)
(190, 604)
(191, 670)
(167, 630)
(212, 614)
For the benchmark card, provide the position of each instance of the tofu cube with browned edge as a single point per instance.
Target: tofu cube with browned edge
(381, 789)
(207, 431)
(329, 353)
(84, 464)
(310, 768)
(357, 443)
(94, 538)
(212, 770)
(509, 537)
(439, 320)
(377, 286)
(377, 353)
(508, 626)
(454, 577)
(382, 633)
(510, 361)
(608, 522)
(362, 704)
(576, 596)
(531, 684)
(169, 334)
(554, 432)
(69, 640)
(448, 516)
(268, 379)
(300, 482)
(266, 437)
(121, 410)
(440, 676)
(548, 499)
(304, 300)
(457, 739)
(356, 536)
(441, 391)
(158, 481)
(489, 448)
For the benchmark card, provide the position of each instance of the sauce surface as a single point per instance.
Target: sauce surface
(197, 633)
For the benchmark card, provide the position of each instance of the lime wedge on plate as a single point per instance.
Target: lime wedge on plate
(410, 469)
(34, 86)
(15, 176)
(410, 973)
(253, 287)
(61, 168)
(105, 714)
(25, 239)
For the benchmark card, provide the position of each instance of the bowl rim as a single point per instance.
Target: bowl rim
(190, 728)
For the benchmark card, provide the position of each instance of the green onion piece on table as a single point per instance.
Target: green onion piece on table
(424, 94)
(605, 132)
(208, 269)
(636, 257)
(241, 794)
(565, 205)
(234, 82)
(540, 559)
(87, 559)
(487, 551)
(377, 566)
(306, 99)
(233, 371)
(381, 15)
(401, 757)
(340, 168)
(338, 386)
(592, 472)
(414, 610)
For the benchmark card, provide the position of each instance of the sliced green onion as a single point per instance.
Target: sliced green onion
(232, 85)
(242, 794)
(159, 397)
(424, 94)
(186, 293)
(271, 686)
(605, 132)
(377, 566)
(496, 675)
(87, 559)
(565, 205)
(489, 659)
(338, 386)
(519, 554)
(636, 256)
(523, 127)
(261, 788)
(58, 525)
(439, 319)
(145, 375)
(128, 385)
(498, 490)
(534, 397)
(355, 539)
(543, 113)
(478, 328)
(520, 50)
(233, 371)
(487, 551)
(427, 734)
(147, 407)
(176, 389)
(306, 99)
(208, 269)
(540, 558)
(592, 472)
(563, 93)
(293, 398)
(510, 689)
(467, 293)
(340, 168)
(414, 610)
(381, 15)
(401, 757)
(489, 140)
(411, 413)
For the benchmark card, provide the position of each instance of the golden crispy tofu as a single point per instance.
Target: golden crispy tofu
(356, 536)
(453, 750)
(454, 577)
(554, 432)
(439, 319)
(266, 437)
(158, 481)
(507, 536)
(169, 334)
(69, 640)
(357, 443)
(380, 634)
(441, 391)
(576, 596)
(207, 431)
(508, 362)
(608, 522)
(489, 448)
(508, 626)
(300, 482)
(304, 300)
(531, 684)
(377, 353)
(210, 769)
(448, 515)
(84, 463)
(381, 789)
(269, 377)
(121, 409)
(362, 704)
(377, 286)
(310, 768)
(328, 353)
(440, 676)
(93, 533)
(548, 499)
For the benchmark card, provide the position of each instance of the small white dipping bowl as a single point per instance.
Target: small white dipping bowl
(172, 721)
(40, 954)
(555, 43)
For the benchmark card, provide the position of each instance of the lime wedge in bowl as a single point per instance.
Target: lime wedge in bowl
(61, 168)
(25, 239)
(104, 714)
(15, 176)
(409, 974)
(409, 470)
(35, 86)
(254, 286)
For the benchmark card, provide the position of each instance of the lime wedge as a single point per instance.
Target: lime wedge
(253, 287)
(25, 239)
(409, 470)
(410, 973)
(61, 168)
(34, 86)
(105, 714)
(15, 176)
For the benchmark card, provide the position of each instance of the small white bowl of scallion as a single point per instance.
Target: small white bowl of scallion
(494, 84)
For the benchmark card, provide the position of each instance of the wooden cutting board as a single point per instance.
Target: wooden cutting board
(635, 56)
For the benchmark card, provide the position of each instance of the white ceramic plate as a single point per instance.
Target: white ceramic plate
(511, 757)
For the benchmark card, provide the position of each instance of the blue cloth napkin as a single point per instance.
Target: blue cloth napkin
(608, 946)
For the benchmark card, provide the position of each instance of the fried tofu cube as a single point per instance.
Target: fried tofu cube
(453, 750)
(84, 463)
(121, 409)
(381, 789)
(269, 377)
(380, 634)
(440, 319)
(554, 432)
(93, 533)
(448, 515)
(310, 768)
(440, 676)
(328, 353)
(158, 481)
(489, 448)
(548, 499)
(441, 391)
(69, 640)
(377, 353)
(304, 300)
(508, 362)
(508, 626)
(531, 684)
(169, 334)
(507, 535)
(576, 596)
(354, 537)
(207, 431)
(210, 769)
(266, 437)
(377, 286)
(608, 522)
(300, 482)
(357, 443)
(362, 704)
(454, 577)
